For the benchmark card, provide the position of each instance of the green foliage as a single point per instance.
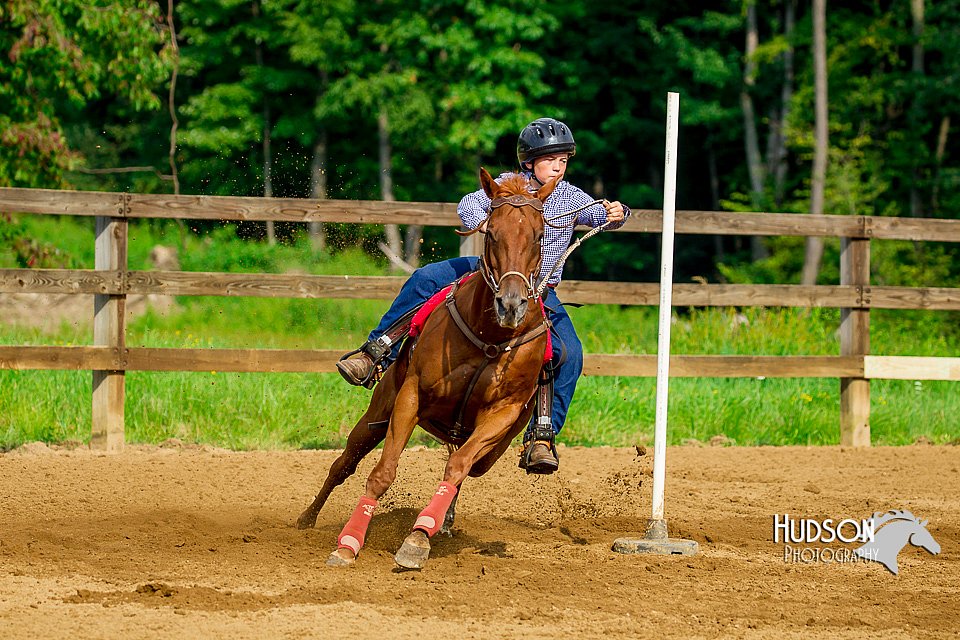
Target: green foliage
(454, 81)
(61, 55)
(82, 86)
(45, 242)
(247, 411)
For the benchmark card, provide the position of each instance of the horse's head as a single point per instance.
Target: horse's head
(511, 258)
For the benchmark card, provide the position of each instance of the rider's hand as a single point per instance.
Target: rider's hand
(614, 210)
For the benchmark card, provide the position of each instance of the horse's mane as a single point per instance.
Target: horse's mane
(516, 184)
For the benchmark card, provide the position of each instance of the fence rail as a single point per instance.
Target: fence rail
(111, 282)
(274, 285)
(444, 214)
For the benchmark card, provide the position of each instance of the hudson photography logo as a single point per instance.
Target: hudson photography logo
(881, 537)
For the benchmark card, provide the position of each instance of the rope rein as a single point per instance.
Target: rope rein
(566, 254)
(577, 210)
(538, 292)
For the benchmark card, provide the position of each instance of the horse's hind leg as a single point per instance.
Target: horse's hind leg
(447, 527)
(360, 442)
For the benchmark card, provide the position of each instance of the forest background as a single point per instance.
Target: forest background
(404, 100)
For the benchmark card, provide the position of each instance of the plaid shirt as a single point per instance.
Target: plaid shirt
(566, 197)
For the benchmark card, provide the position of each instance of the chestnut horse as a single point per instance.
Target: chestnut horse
(495, 369)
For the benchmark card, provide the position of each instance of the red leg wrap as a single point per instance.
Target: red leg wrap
(356, 528)
(431, 519)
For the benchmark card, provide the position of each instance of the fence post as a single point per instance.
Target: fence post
(855, 341)
(108, 331)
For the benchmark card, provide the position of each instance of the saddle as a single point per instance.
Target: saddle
(410, 326)
(445, 296)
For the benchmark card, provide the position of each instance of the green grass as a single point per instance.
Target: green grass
(255, 411)
(252, 411)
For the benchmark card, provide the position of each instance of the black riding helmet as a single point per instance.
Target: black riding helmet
(542, 137)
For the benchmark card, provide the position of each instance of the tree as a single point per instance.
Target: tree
(318, 37)
(814, 245)
(62, 55)
(442, 83)
(241, 86)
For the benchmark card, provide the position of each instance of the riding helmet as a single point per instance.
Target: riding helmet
(542, 137)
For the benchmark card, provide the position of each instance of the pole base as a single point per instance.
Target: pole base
(656, 541)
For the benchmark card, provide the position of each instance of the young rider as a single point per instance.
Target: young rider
(543, 150)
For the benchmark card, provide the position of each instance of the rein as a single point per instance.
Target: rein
(566, 254)
(566, 213)
(490, 352)
(519, 201)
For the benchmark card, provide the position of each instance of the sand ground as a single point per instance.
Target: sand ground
(183, 541)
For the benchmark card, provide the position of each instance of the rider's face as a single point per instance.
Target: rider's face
(551, 166)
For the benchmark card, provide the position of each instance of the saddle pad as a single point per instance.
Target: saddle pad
(420, 317)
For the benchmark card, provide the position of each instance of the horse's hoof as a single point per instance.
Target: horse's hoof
(414, 552)
(306, 520)
(341, 558)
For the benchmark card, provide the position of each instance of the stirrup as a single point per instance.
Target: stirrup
(377, 350)
(542, 432)
(380, 349)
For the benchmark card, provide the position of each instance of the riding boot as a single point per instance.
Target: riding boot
(357, 371)
(375, 356)
(372, 360)
(539, 451)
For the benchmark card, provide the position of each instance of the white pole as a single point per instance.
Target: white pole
(666, 303)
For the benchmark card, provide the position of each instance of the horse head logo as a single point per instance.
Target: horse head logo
(899, 528)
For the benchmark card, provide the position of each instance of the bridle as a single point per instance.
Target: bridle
(486, 271)
(533, 291)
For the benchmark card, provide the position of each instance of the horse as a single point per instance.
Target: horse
(480, 361)
(887, 542)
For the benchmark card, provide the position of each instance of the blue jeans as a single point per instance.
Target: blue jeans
(427, 280)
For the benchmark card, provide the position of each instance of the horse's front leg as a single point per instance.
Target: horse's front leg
(481, 466)
(402, 422)
(494, 427)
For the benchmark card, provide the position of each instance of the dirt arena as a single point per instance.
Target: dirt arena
(196, 542)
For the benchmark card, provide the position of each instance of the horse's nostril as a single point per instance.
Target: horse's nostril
(501, 308)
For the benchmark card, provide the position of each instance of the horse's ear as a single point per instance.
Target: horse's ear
(488, 183)
(544, 192)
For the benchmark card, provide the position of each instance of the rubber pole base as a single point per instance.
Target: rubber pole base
(656, 541)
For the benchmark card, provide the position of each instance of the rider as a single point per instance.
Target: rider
(543, 150)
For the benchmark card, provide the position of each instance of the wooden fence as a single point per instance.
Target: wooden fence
(111, 281)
